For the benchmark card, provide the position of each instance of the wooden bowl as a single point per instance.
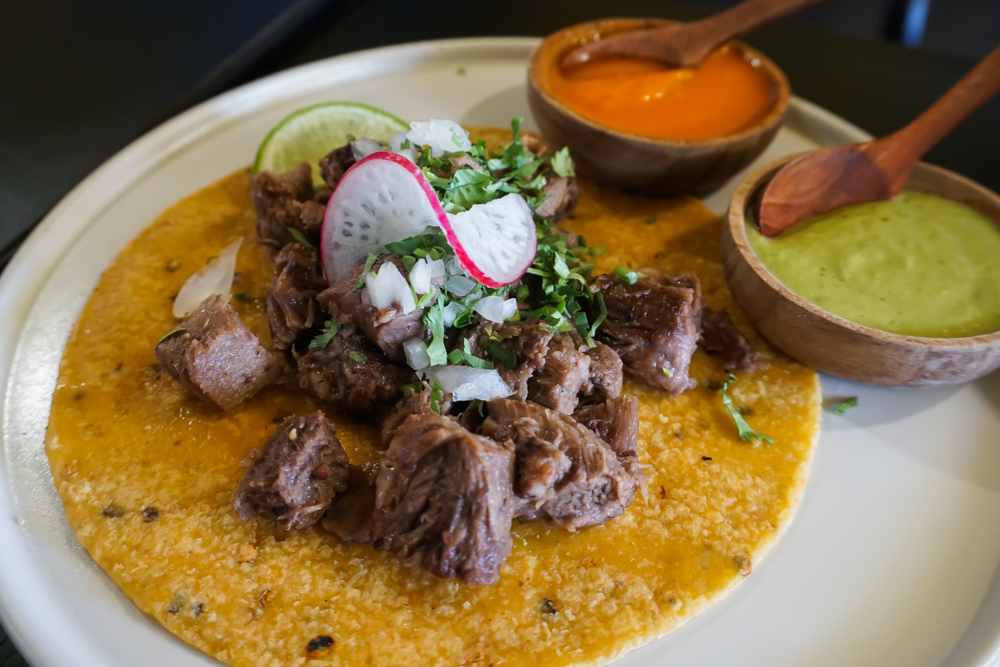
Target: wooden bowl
(642, 164)
(840, 347)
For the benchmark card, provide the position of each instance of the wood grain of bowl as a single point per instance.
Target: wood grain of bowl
(838, 346)
(633, 162)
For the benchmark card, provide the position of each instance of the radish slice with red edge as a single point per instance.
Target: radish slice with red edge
(380, 199)
(496, 241)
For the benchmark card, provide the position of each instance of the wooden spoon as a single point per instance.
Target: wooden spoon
(685, 44)
(875, 170)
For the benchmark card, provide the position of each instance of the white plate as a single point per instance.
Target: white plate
(891, 560)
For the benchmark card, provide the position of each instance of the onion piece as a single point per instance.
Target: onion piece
(495, 308)
(415, 350)
(363, 147)
(396, 142)
(441, 136)
(216, 277)
(451, 311)
(466, 383)
(420, 277)
(460, 285)
(389, 287)
(437, 269)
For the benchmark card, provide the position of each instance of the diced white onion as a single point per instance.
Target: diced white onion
(415, 350)
(389, 287)
(451, 311)
(437, 269)
(495, 309)
(216, 277)
(442, 136)
(396, 146)
(460, 285)
(466, 383)
(509, 308)
(420, 277)
(364, 147)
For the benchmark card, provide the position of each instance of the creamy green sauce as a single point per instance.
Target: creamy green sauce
(918, 265)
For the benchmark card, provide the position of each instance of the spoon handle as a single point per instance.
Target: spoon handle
(742, 18)
(898, 152)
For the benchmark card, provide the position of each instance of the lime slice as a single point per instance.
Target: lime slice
(312, 132)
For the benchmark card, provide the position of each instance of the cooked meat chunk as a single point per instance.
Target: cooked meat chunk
(615, 421)
(561, 196)
(300, 469)
(443, 500)
(283, 202)
(564, 374)
(350, 514)
(333, 166)
(605, 380)
(720, 335)
(419, 403)
(292, 308)
(563, 472)
(388, 328)
(217, 358)
(527, 340)
(351, 375)
(653, 325)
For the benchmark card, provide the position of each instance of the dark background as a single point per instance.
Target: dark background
(79, 81)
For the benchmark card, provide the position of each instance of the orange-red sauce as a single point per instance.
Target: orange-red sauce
(724, 95)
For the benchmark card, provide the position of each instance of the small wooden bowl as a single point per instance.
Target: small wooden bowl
(642, 164)
(840, 347)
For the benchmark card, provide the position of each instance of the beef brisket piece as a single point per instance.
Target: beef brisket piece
(561, 196)
(351, 375)
(653, 325)
(419, 403)
(286, 201)
(605, 381)
(443, 500)
(336, 162)
(615, 421)
(217, 358)
(292, 308)
(720, 335)
(565, 372)
(300, 469)
(388, 328)
(563, 472)
(349, 516)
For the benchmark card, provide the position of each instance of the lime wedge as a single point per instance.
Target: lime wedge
(310, 133)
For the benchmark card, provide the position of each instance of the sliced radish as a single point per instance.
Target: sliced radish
(495, 242)
(216, 277)
(381, 199)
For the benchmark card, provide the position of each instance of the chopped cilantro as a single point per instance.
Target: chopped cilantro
(330, 329)
(651, 219)
(460, 70)
(357, 357)
(506, 357)
(457, 356)
(171, 334)
(746, 432)
(437, 395)
(300, 237)
(562, 163)
(668, 372)
(434, 319)
(412, 388)
(246, 296)
(369, 263)
(628, 276)
(845, 405)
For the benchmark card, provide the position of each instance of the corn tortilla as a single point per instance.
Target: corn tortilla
(147, 474)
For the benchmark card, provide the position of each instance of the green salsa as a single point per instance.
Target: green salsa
(918, 265)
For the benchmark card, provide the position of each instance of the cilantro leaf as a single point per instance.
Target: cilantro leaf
(170, 334)
(457, 356)
(369, 263)
(412, 388)
(246, 296)
(562, 163)
(628, 276)
(506, 357)
(845, 405)
(300, 237)
(746, 432)
(330, 329)
(357, 357)
(434, 319)
(437, 395)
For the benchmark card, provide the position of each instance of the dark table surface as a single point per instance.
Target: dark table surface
(81, 83)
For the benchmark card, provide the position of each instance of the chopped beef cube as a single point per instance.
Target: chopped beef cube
(528, 340)
(653, 325)
(561, 196)
(283, 202)
(388, 328)
(300, 469)
(217, 358)
(443, 500)
(565, 373)
(594, 487)
(419, 403)
(719, 334)
(333, 166)
(616, 421)
(605, 380)
(292, 308)
(351, 375)
(461, 161)
(350, 514)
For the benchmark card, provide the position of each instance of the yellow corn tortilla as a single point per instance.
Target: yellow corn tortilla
(147, 474)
